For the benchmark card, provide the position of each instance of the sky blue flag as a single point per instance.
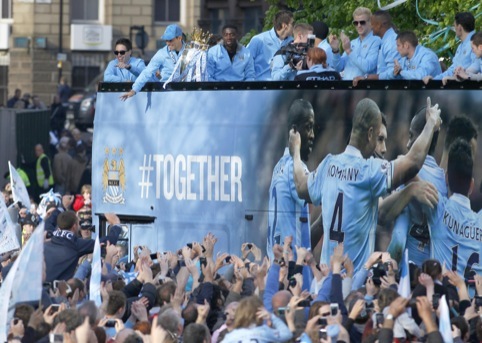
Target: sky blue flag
(19, 190)
(96, 274)
(24, 280)
(444, 326)
(404, 285)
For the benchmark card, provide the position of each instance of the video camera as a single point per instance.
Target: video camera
(297, 52)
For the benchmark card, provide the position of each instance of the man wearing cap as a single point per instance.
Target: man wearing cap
(63, 250)
(320, 30)
(164, 60)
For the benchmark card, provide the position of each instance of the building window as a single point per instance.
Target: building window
(3, 85)
(83, 75)
(167, 10)
(84, 10)
(6, 9)
(217, 17)
(252, 19)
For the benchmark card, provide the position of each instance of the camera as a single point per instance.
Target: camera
(323, 334)
(294, 53)
(292, 282)
(379, 319)
(478, 301)
(110, 323)
(322, 321)
(227, 259)
(378, 270)
(334, 309)
(435, 301)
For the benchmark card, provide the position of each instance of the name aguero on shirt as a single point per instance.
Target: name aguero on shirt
(344, 174)
(466, 231)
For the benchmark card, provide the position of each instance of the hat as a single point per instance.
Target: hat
(320, 29)
(172, 31)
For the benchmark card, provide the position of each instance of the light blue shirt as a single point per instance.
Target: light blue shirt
(114, 74)
(288, 215)
(464, 57)
(411, 230)
(328, 50)
(164, 60)
(261, 334)
(362, 59)
(263, 47)
(456, 233)
(475, 69)
(220, 67)
(348, 187)
(387, 55)
(424, 62)
(280, 70)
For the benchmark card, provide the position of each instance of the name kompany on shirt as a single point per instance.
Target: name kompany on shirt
(348, 186)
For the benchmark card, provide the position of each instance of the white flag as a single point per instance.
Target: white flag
(444, 321)
(404, 284)
(8, 238)
(24, 280)
(19, 190)
(95, 275)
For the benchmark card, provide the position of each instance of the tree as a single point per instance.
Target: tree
(431, 20)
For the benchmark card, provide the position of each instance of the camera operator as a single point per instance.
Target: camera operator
(291, 58)
(318, 70)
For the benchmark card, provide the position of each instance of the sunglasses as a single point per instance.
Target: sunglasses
(361, 22)
(326, 314)
(121, 52)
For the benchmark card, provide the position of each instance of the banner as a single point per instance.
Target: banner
(8, 238)
(19, 190)
(201, 161)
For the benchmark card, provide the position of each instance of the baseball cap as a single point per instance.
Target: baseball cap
(172, 31)
(320, 29)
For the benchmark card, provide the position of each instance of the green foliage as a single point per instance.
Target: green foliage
(338, 15)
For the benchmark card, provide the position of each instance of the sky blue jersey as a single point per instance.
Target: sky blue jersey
(288, 214)
(411, 230)
(348, 187)
(456, 233)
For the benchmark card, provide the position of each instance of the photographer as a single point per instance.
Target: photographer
(291, 58)
(318, 70)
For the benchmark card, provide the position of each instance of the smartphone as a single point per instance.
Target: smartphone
(153, 257)
(110, 323)
(323, 334)
(55, 338)
(281, 311)
(369, 305)
(304, 303)
(55, 285)
(435, 301)
(54, 308)
(249, 246)
(334, 309)
(322, 321)
(203, 261)
(227, 259)
(478, 301)
(292, 282)
(379, 319)
(189, 245)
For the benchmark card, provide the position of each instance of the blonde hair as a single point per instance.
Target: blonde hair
(245, 314)
(86, 189)
(362, 11)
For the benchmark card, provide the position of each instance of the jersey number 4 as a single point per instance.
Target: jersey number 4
(337, 234)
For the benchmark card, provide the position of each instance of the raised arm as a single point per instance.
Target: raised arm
(299, 176)
(406, 167)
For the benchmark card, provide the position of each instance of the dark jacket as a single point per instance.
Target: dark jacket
(62, 252)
